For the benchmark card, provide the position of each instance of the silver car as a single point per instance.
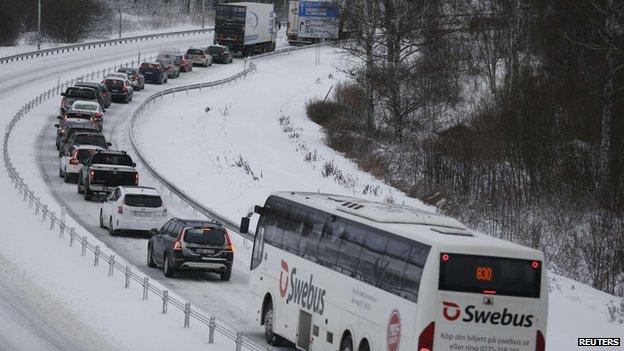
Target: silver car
(199, 56)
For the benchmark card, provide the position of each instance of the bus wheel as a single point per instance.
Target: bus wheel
(346, 344)
(364, 345)
(271, 338)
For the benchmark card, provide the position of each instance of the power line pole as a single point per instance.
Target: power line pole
(203, 14)
(119, 8)
(39, 26)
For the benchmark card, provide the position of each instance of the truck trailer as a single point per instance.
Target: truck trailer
(246, 28)
(310, 21)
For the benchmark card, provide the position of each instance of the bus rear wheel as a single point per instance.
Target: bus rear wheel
(268, 320)
(346, 344)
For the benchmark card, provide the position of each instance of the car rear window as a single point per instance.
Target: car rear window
(195, 52)
(78, 115)
(114, 84)
(112, 159)
(87, 107)
(139, 200)
(84, 154)
(97, 140)
(203, 236)
(80, 93)
(215, 50)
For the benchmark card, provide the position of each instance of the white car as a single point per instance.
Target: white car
(71, 162)
(133, 208)
(89, 107)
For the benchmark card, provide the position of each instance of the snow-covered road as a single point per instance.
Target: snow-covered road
(24, 325)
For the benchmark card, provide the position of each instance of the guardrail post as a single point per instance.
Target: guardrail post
(52, 219)
(25, 194)
(62, 228)
(96, 260)
(72, 236)
(165, 301)
(44, 210)
(127, 283)
(84, 246)
(111, 265)
(211, 326)
(145, 287)
(187, 314)
(239, 341)
(139, 59)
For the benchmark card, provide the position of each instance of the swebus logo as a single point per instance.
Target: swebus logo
(451, 311)
(394, 331)
(301, 292)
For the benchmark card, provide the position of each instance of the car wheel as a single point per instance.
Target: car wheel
(101, 220)
(111, 230)
(168, 269)
(88, 195)
(66, 179)
(61, 175)
(270, 336)
(150, 257)
(226, 275)
(80, 188)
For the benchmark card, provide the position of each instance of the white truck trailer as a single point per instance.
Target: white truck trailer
(246, 28)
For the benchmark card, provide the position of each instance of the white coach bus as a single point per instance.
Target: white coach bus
(330, 272)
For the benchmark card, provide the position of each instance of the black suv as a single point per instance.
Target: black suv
(220, 53)
(153, 72)
(190, 244)
(104, 97)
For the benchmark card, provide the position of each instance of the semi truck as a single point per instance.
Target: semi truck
(246, 28)
(310, 21)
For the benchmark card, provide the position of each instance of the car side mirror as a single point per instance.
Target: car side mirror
(57, 125)
(244, 226)
(58, 117)
(154, 231)
(63, 94)
(109, 144)
(133, 164)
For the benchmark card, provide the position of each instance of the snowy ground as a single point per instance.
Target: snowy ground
(247, 124)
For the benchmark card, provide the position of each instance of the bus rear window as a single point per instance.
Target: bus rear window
(490, 275)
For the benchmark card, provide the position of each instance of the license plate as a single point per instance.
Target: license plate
(205, 251)
(142, 214)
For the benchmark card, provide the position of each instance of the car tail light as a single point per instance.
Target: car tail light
(228, 241)
(91, 175)
(98, 115)
(125, 90)
(136, 179)
(540, 343)
(177, 245)
(120, 208)
(73, 161)
(425, 340)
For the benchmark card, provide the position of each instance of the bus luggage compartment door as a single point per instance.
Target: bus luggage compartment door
(303, 330)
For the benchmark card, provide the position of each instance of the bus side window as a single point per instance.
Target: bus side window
(413, 271)
(351, 242)
(311, 235)
(372, 250)
(329, 244)
(392, 266)
(290, 224)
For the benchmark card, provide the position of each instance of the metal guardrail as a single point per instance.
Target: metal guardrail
(98, 44)
(76, 239)
(181, 194)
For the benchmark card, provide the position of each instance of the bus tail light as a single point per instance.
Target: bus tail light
(425, 340)
(540, 343)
